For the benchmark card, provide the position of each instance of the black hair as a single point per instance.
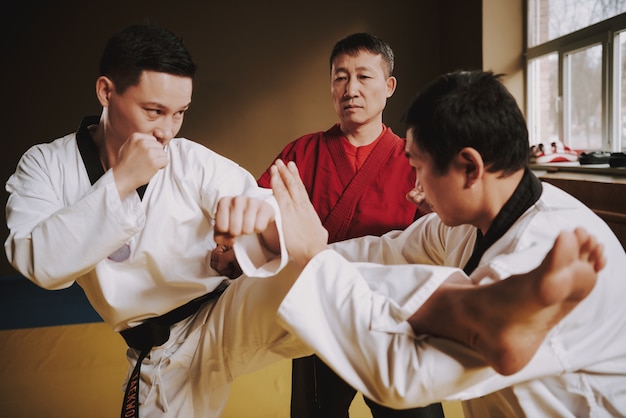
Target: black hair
(353, 44)
(144, 47)
(469, 109)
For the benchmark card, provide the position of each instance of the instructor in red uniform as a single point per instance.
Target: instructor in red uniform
(357, 176)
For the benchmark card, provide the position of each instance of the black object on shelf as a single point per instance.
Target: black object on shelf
(617, 159)
(594, 157)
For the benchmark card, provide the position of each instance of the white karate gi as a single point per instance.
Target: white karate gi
(62, 229)
(354, 317)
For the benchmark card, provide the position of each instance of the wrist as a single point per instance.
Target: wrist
(124, 188)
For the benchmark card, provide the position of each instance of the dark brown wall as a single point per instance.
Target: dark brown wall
(263, 75)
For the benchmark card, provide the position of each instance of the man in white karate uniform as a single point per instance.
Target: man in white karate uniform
(125, 209)
(468, 143)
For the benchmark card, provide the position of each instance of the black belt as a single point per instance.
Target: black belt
(154, 332)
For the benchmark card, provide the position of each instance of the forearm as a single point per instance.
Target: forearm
(270, 239)
(263, 254)
(53, 245)
(385, 249)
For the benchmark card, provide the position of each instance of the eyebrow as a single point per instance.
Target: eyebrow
(361, 68)
(162, 106)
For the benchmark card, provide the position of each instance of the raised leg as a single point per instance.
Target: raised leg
(507, 321)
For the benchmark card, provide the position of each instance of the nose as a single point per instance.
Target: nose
(352, 89)
(165, 130)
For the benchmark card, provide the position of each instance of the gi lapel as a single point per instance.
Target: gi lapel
(340, 216)
(89, 152)
(526, 194)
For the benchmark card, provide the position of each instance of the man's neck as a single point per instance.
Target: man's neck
(363, 134)
(498, 190)
(107, 149)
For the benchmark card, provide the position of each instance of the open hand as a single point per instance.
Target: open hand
(304, 234)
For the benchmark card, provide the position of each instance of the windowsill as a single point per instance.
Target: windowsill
(588, 172)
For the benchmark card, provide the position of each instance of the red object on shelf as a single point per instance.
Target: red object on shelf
(555, 152)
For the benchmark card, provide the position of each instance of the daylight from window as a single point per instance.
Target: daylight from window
(575, 73)
(583, 114)
(551, 19)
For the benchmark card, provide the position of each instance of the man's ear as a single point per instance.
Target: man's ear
(104, 89)
(392, 82)
(474, 165)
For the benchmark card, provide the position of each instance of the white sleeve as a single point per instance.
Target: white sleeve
(422, 242)
(254, 259)
(53, 243)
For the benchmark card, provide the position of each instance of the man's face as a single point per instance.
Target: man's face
(360, 88)
(444, 193)
(155, 106)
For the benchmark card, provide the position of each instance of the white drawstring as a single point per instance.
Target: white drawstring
(157, 386)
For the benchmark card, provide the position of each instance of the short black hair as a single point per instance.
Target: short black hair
(469, 109)
(353, 44)
(142, 47)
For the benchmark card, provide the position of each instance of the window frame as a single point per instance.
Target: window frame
(605, 33)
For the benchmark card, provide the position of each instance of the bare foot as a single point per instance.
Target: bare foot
(507, 321)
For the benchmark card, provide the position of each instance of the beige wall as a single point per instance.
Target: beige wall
(503, 43)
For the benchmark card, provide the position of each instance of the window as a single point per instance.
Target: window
(576, 64)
